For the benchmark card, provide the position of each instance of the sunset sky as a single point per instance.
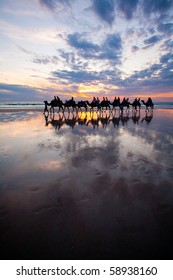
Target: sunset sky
(86, 48)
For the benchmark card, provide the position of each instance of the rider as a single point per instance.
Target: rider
(94, 100)
(72, 99)
(98, 101)
(58, 99)
(150, 100)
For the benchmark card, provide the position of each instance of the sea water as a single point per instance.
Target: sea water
(40, 105)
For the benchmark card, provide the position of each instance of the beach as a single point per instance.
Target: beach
(86, 185)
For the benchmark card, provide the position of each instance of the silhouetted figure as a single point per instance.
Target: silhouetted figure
(149, 103)
(82, 104)
(98, 101)
(58, 99)
(116, 102)
(46, 106)
(136, 104)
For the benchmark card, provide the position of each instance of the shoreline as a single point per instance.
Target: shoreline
(10, 110)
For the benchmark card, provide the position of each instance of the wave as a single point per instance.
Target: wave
(21, 104)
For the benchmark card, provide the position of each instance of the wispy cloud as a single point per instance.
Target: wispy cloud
(46, 59)
(54, 4)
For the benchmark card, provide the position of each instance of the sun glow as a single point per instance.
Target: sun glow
(88, 89)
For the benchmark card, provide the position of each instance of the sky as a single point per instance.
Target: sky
(86, 48)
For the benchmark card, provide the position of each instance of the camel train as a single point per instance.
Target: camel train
(97, 104)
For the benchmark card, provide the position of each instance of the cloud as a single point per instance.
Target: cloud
(77, 41)
(77, 76)
(134, 49)
(156, 78)
(19, 92)
(153, 6)
(169, 44)
(109, 49)
(113, 41)
(166, 28)
(152, 40)
(108, 9)
(166, 58)
(46, 59)
(53, 4)
(105, 9)
(128, 7)
(24, 50)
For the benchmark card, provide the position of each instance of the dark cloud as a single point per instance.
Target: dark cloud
(110, 49)
(156, 78)
(105, 9)
(76, 40)
(168, 44)
(152, 40)
(19, 92)
(113, 42)
(53, 4)
(77, 76)
(86, 76)
(166, 58)
(152, 6)
(128, 7)
(166, 28)
(151, 30)
(146, 73)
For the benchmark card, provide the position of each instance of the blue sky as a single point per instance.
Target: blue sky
(86, 48)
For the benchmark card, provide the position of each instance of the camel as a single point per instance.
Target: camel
(82, 104)
(70, 103)
(148, 104)
(105, 104)
(52, 104)
(93, 104)
(136, 104)
(116, 103)
(125, 103)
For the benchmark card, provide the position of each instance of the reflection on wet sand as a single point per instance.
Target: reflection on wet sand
(97, 118)
(78, 188)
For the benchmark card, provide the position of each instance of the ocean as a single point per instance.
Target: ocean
(40, 105)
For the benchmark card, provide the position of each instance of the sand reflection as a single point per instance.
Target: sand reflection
(88, 185)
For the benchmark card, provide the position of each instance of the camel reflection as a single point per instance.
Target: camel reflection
(97, 119)
(136, 116)
(148, 117)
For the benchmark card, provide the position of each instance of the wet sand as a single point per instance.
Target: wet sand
(86, 186)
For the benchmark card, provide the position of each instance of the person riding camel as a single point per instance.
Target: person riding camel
(98, 101)
(94, 100)
(58, 99)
